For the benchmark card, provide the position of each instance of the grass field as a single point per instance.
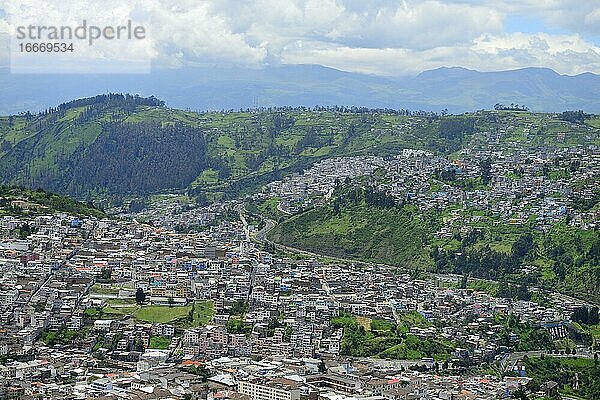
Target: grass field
(203, 312)
(100, 290)
(159, 342)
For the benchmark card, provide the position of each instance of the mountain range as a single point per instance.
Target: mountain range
(201, 88)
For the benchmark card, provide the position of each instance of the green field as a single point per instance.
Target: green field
(203, 312)
(159, 342)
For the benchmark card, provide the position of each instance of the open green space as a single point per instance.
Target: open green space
(159, 342)
(387, 339)
(203, 310)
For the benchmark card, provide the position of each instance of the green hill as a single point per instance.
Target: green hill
(21, 201)
(117, 145)
(367, 226)
(357, 226)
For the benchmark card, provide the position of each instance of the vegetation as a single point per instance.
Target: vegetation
(238, 326)
(62, 337)
(202, 312)
(199, 370)
(566, 372)
(239, 308)
(40, 202)
(564, 259)
(576, 117)
(140, 296)
(159, 342)
(523, 336)
(361, 224)
(385, 339)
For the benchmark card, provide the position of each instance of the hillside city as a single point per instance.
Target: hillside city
(188, 301)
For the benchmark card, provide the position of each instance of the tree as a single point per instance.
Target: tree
(575, 117)
(486, 170)
(519, 394)
(5, 146)
(593, 317)
(140, 296)
(106, 274)
(191, 313)
(336, 208)
(138, 345)
(463, 281)
(522, 245)
(322, 367)
(580, 314)
(239, 307)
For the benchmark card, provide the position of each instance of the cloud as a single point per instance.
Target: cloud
(374, 36)
(563, 53)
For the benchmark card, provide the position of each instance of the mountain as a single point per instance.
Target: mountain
(540, 89)
(118, 145)
(201, 88)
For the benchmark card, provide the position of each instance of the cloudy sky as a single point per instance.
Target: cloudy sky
(382, 37)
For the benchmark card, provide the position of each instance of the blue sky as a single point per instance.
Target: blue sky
(383, 37)
(529, 24)
(534, 24)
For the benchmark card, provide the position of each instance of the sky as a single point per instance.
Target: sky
(381, 37)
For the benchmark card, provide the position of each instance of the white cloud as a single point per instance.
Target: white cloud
(563, 53)
(374, 36)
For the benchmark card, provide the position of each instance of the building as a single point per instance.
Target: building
(276, 389)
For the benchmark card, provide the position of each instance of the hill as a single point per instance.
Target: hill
(456, 89)
(20, 201)
(121, 144)
(364, 225)
(356, 225)
(118, 145)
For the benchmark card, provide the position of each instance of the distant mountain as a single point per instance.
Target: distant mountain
(456, 89)
(540, 89)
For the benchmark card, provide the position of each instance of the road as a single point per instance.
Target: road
(261, 236)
